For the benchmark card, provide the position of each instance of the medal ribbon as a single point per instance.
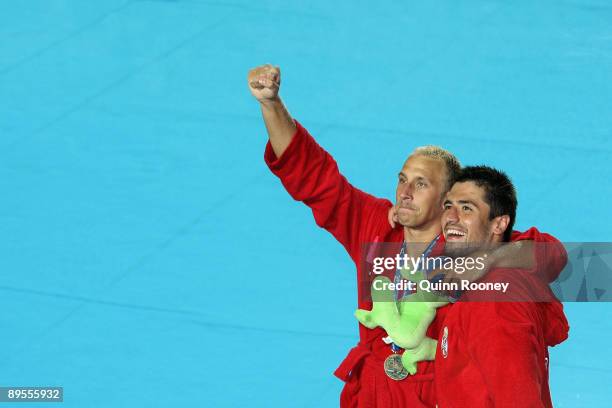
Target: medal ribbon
(398, 276)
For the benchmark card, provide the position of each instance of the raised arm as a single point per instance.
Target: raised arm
(310, 174)
(264, 83)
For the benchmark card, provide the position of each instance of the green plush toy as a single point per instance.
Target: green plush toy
(406, 321)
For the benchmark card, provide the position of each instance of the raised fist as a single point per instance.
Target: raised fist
(264, 82)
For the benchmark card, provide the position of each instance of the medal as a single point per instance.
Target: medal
(394, 367)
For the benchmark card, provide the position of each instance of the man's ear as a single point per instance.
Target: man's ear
(500, 224)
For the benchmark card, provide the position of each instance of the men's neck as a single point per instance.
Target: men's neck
(423, 235)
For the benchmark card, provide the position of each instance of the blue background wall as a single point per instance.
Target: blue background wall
(142, 233)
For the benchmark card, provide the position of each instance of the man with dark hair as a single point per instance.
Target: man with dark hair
(494, 353)
(499, 192)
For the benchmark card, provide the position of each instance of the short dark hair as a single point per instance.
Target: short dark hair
(500, 193)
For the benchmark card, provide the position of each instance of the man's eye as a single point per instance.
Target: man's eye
(466, 208)
(420, 184)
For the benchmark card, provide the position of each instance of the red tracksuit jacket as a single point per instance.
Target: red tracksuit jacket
(354, 217)
(495, 354)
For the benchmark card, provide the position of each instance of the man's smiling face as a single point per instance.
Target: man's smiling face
(465, 218)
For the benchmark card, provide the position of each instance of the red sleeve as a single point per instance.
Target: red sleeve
(311, 175)
(505, 347)
(550, 254)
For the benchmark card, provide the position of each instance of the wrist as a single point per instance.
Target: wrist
(271, 103)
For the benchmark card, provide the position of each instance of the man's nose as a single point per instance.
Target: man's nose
(451, 214)
(406, 191)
